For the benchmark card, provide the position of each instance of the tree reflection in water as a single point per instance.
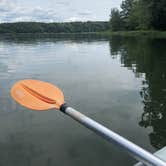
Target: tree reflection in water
(147, 57)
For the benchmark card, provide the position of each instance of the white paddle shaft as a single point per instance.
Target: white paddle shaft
(133, 149)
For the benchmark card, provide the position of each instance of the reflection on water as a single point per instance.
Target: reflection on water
(148, 57)
(119, 82)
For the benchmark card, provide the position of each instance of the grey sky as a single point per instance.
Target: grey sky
(56, 10)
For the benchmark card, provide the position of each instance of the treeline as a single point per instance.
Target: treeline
(139, 15)
(69, 27)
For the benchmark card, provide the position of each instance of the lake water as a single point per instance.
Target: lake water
(120, 82)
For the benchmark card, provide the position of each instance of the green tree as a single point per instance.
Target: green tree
(126, 7)
(157, 10)
(116, 22)
(68, 27)
(139, 18)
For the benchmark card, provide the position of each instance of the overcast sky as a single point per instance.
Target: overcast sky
(56, 10)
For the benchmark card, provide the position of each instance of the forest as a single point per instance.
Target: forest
(139, 15)
(68, 27)
(133, 15)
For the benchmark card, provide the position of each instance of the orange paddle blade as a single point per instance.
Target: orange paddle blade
(37, 95)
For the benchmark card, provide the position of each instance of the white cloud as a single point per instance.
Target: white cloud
(72, 19)
(55, 10)
(77, 18)
(63, 3)
(5, 6)
(9, 12)
(85, 13)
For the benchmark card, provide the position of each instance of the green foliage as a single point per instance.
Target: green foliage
(141, 15)
(127, 8)
(116, 22)
(157, 9)
(69, 27)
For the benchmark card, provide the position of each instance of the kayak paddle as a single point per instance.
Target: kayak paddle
(39, 95)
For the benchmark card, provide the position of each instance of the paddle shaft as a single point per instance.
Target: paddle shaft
(133, 149)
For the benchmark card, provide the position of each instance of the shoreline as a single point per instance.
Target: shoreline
(148, 34)
(105, 34)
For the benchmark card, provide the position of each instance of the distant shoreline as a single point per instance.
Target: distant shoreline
(51, 28)
(58, 35)
(149, 34)
(104, 34)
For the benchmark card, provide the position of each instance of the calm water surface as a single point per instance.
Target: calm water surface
(119, 82)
